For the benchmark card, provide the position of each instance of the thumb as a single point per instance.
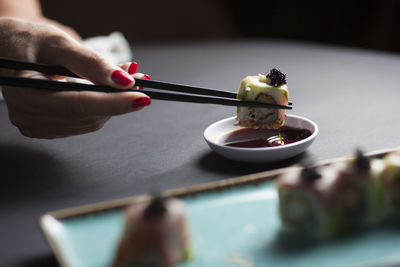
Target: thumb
(84, 62)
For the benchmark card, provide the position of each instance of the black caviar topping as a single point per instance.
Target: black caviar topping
(310, 173)
(276, 77)
(155, 209)
(362, 162)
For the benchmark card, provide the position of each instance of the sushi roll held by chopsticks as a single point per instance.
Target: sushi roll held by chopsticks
(270, 89)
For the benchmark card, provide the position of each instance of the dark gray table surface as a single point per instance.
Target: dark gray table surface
(351, 94)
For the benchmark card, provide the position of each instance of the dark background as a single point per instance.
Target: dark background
(362, 23)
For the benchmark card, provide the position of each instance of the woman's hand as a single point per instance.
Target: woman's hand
(48, 114)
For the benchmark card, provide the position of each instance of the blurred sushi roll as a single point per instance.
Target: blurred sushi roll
(327, 201)
(156, 235)
(390, 182)
(302, 206)
(266, 89)
(355, 193)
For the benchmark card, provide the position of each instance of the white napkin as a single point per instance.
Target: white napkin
(114, 47)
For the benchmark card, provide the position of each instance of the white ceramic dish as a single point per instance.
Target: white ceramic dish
(263, 154)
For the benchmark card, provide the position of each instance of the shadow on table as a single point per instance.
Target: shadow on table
(215, 163)
(42, 261)
(27, 173)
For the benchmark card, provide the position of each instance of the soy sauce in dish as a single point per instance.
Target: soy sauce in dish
(253, 138)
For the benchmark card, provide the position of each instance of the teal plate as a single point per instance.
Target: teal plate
(235, 226)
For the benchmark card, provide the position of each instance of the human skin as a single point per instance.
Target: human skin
(48, 114)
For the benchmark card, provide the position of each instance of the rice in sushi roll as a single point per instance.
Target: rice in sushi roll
(266, 89)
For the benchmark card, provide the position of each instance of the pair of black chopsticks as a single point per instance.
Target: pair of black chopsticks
(191, 93)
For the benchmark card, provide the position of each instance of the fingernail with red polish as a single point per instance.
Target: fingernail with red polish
(133, 68)
(141, 102)
(147, 77)
(121, 77)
